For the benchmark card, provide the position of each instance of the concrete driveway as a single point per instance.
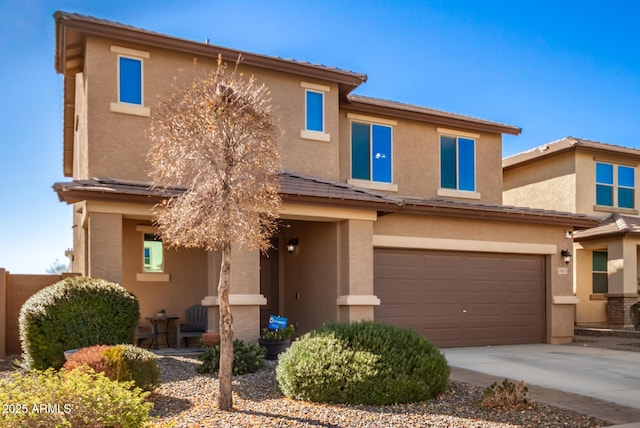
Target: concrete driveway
(605, 374)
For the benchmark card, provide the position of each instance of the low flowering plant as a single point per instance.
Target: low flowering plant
(279, 334)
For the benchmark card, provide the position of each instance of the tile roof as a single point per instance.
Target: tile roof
(614, 225)
(564, 145)
(118, 30)
(297, 187)
(360, 102)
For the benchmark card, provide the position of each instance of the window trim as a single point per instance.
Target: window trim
(121, 106)
(370, 183)
(307, 133)
(615, 187)
(457, 192)
(593, 272)
(151, 276)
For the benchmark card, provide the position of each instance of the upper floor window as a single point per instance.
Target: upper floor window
(457, 163)
(315, 111)
(130, 81)
(615, 185)
(600, 280)
(314, 118)
(371, 157)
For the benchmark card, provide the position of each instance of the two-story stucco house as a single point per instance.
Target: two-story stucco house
(390, 211)
(599, 180)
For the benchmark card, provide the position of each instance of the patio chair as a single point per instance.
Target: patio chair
(195, 324)
(144, 332)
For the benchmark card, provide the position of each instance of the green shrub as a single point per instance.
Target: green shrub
(74, 313)
(71, 399)
(119, 362)
(247, 358)
(130, 362)
(362, 363)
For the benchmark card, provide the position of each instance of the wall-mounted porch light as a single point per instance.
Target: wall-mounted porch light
(566, 256)
(291, 245)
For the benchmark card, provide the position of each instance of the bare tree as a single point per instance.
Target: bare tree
(217, 138)
(57, 268)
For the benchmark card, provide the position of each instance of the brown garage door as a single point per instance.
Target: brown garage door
(462, 299)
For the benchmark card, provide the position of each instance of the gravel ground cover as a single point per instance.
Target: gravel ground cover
(188, 399)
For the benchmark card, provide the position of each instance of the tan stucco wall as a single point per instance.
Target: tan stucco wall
(586, 179)
(549, 184)
(187, 269)
(80, 137)
(416, 159)
(105, 246)
(500, 237)
(592, 307)
(118, 144)
(311, 275)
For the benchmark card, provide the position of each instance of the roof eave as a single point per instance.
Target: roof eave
(432, 117)
(346, 79)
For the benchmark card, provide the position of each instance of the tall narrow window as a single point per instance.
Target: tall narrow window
(604, 184)
(152, 257)
(600, 281)
(371, 152)
(314, 111)
(129, 80)
(626, 184)
(457, 163)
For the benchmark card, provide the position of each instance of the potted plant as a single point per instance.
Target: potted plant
(276, 341)
(161, 313)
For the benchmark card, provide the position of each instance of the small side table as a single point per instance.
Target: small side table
(157, 321)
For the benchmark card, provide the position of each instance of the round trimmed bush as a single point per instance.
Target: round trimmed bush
(123, 363)
(362, 363)
(74, 313)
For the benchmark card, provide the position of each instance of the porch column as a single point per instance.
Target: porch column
(356, 299)
(622, 272)
(105, 246)
(244, 296)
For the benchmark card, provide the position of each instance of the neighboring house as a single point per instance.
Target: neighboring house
(595, 179)
(390, 211)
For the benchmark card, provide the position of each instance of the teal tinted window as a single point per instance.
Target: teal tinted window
(626, 183)
(381, 145)
(130, 80)
(315, 113)
(466, 164)
(604, 184)
(604, 195)
(360, 151)
(371, 152)
(625, 198)
(448, 168)
(600, 279)
(457, 163)
(615, 185)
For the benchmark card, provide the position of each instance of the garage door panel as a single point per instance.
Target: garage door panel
(462, 299)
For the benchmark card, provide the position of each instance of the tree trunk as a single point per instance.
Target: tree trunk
(225, 397)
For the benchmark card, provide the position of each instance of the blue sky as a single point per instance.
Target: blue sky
(553, 68)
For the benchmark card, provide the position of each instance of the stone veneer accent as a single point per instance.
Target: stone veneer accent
(618, 307)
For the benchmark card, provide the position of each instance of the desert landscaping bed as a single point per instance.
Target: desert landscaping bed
(188, 399)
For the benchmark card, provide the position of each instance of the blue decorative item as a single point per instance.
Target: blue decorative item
(276, 322)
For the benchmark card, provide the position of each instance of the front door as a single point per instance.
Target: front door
(269, 283)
